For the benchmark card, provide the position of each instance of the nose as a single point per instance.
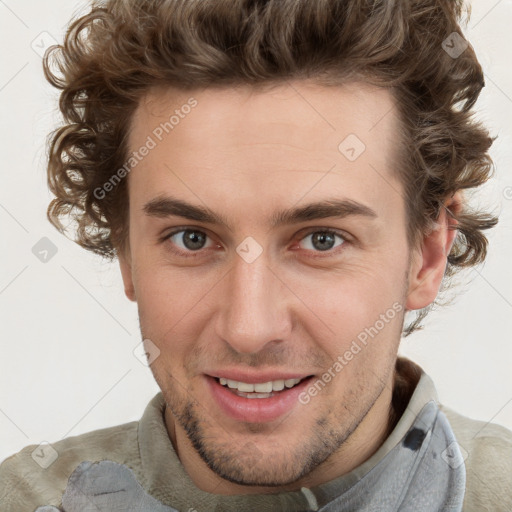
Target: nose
(255, 307)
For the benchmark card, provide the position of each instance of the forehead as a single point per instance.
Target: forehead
(328, 113)
(267, 142)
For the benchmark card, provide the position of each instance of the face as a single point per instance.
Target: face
(268, 258)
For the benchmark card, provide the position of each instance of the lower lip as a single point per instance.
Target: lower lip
(256, 410)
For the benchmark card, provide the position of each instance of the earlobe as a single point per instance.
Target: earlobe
(429, 261)
(126, 273)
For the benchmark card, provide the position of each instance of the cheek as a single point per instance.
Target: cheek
(354, 297)
(173, 308)
(164, 291)
(361, 313)
(161, 301)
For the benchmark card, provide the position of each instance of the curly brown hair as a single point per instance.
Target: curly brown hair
(114, 54)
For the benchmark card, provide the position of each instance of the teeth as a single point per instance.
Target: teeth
(232, 384)
(264, 387)
(277, 385)
(245, 388)
(289, 383)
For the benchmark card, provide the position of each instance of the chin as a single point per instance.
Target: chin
(254, 463)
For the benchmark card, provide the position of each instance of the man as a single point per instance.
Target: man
(282, 182)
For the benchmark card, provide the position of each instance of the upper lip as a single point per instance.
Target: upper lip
(257, 377)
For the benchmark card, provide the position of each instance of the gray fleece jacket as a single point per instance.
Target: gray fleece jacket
(434, 460)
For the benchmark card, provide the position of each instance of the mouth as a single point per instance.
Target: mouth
(259, 390)
(256, 402)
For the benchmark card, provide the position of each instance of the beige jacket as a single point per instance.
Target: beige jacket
(144, 446)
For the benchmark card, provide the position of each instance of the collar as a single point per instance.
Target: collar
(167, 480)
(418, 468)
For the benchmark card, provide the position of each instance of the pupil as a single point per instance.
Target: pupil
(323, 241)
(193, 240)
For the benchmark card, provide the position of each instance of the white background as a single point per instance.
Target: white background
(67, 331)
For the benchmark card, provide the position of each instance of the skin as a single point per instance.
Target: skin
(246, 154)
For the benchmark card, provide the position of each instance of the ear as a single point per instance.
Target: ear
(429, 261)
(125, 265)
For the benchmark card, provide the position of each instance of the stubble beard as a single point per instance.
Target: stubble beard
(282, 465)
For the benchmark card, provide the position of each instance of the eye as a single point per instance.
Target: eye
(322, 241)
(190, 240)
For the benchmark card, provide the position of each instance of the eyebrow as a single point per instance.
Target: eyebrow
(163, 207)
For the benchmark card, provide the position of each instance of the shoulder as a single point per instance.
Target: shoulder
(38, 475)
(487, 449)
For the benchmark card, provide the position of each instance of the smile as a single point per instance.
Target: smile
(260, 390)
(256, 402)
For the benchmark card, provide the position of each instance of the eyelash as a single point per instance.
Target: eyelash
(319, 254)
